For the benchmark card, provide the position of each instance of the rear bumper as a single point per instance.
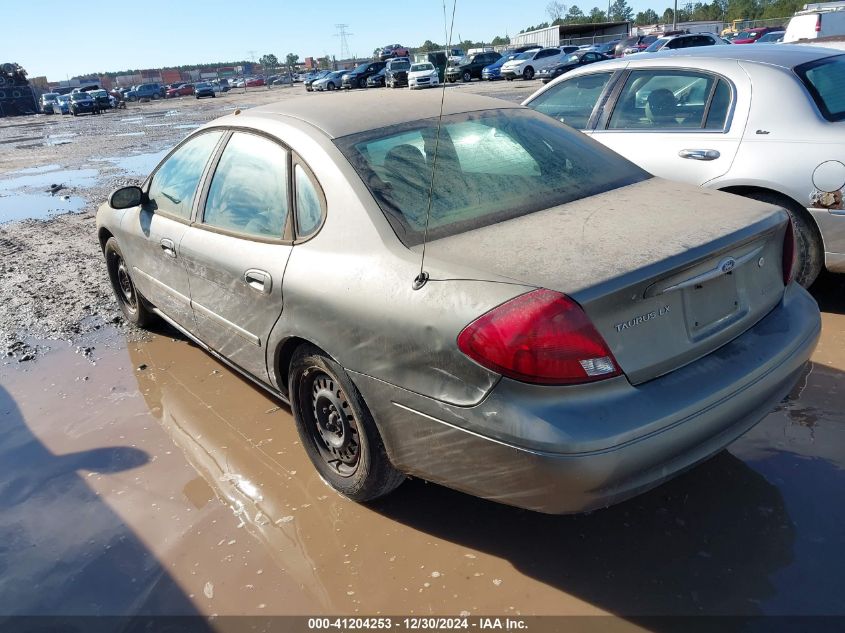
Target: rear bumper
(831, 223)
(573, 449)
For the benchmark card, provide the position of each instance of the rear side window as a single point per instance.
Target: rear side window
(174, 184)
(825, 79)
(663, 99)
(249, 190)
(492, 166)
(572, 101)
(309, 211)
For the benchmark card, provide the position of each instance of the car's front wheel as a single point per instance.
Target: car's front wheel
(131, 304)
(467, 76)
(336, 428)
(330, 86)
(528, 74)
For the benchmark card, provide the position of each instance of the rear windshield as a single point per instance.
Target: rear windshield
(825, 79)
(399, 65)
(492, 165)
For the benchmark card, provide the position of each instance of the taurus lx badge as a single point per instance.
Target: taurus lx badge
(637, 320)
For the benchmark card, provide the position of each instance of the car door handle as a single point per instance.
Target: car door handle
(168, 247)
(259, 280)
(699, 154)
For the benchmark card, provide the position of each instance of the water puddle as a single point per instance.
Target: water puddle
(37, 170)
(131, 134)
(37, 206)
(59, 139)
(137, 164)
(66, 177)
(187, 126)
(132, 119)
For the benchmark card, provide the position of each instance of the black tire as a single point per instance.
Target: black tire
(467, 76)
(156, 97)
(809, 249)
(528, 74)
(362, 83)
(508, 78)
(330, 85)
(132, 305)
(348, 453)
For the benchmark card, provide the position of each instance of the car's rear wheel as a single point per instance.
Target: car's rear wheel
(809, 249)
(130, 302)
(336, 428)
(467, 76)
(528, 74)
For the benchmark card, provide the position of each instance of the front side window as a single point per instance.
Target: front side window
(249, 189)
(825, 79)
(662, 99)
(572, 101)
(174, 184)
(491, 166)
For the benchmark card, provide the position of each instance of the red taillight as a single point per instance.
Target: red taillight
(539, 337)
(819, 23)
(788, 253)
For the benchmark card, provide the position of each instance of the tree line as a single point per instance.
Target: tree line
(717, 10)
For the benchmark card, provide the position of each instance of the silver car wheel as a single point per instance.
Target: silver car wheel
(337, 435)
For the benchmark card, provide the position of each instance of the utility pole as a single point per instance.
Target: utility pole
(675, 17)
(343, 34)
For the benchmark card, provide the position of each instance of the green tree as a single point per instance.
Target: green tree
(621, 11)
(649, 16)
(428, 47)
(597, 15)
(269, 60)
(500, 41)
(575, 15)
(668, 16)
(291, 60)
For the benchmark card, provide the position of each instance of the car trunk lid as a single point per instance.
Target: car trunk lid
(667, 272)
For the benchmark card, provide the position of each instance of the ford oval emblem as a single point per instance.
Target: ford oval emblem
(727, 265)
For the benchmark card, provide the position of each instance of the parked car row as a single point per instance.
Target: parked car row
(78, 102)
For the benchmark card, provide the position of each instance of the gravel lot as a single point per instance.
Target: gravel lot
(55, 284)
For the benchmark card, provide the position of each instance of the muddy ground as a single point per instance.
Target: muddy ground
(138, 475)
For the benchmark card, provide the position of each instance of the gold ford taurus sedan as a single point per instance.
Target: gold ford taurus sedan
(528, 317)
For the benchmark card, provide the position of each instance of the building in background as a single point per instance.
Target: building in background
(576, 34)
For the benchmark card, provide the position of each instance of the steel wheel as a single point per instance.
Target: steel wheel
(127, 289)
(337, 429)
(334, 429)
(130, 302)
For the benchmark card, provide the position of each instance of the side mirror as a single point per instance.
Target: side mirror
(126, 197)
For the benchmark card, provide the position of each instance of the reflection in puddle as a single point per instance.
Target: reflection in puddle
(37, 170)
(37, 206)
(446, 552)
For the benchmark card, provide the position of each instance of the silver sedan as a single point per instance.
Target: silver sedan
(764, 121)
(545, 326)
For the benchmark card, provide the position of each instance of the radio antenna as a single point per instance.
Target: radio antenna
(421, 279)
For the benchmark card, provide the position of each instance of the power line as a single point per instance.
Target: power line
(343, 34)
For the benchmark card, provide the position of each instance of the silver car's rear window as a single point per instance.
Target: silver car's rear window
(492, 166)
(825, 79)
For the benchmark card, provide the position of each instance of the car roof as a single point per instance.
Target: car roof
(363, 111)
(785, 55)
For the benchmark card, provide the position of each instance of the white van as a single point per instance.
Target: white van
(816, 20)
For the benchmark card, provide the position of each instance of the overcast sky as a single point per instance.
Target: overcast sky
(60, 39)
